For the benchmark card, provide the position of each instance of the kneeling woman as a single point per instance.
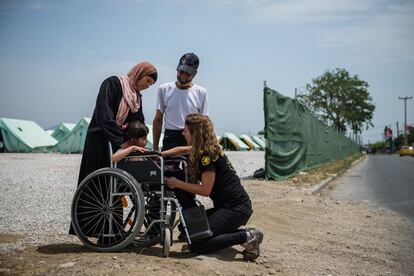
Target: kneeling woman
(216, 178)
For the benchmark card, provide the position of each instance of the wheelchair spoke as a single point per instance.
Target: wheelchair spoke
(95, 226)
(105, 197)
(93, 200)
(100, 190)
(93, 193)
(86, 226)
(89, 207)
(88, 212)
(119, 228)
(90, 203)
(90, 218)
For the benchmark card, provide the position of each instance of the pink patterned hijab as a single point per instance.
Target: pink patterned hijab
(130, 95)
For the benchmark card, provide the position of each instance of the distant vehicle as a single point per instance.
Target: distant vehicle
(407, 151)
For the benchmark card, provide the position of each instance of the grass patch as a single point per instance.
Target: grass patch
(318, 174)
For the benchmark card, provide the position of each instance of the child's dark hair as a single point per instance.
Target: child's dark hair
(135, 130)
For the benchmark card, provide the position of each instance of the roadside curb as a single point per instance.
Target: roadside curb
(324, 183)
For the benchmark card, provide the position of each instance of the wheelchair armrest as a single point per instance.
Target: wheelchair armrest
(147, 153)
(175, 158)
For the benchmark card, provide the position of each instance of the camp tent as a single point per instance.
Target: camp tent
(150, 139)
(229, 141)
(62, 130)
(74, 140)
(259, 141)
(249, 142)
(25, 136)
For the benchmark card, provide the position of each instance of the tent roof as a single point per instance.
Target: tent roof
(249, 141)
(239, 143)
(83, 122)
(259, 141)
(28, 132)
(68, 126)
(63, 127)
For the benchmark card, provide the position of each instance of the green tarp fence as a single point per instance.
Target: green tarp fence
(297, 141)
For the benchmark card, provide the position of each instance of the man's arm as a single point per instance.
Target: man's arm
(156, 129)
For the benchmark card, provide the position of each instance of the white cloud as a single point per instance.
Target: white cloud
(386, 36)
(298, 12)
(369, 30)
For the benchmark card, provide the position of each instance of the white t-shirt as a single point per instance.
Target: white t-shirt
(176, 103)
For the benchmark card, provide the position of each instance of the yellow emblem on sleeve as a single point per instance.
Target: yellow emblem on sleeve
(205, 160)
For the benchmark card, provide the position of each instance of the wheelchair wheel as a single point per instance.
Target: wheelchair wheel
(166, 242)
(108, 210)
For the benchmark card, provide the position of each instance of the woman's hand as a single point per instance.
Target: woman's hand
(172, 182)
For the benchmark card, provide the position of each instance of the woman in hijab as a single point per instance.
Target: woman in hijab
(119, 101)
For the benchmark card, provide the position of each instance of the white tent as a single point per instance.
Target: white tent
(252, 145)
(229, 141)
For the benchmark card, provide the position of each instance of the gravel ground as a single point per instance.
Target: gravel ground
(42, 186)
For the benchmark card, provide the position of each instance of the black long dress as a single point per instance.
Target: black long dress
(103, 129)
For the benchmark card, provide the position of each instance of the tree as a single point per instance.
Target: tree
(340, 100)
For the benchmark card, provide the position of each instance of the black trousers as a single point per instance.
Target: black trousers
(224, 223)
(172, 139)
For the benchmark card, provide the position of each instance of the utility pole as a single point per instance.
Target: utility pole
(398, 130)
(405, 117)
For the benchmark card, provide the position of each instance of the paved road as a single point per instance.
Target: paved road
(387, 180)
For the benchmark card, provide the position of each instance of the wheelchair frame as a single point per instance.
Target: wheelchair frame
(103, 196)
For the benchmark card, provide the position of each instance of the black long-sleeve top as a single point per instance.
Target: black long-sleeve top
(104, 115)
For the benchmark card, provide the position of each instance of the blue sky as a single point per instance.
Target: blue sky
(55, 54)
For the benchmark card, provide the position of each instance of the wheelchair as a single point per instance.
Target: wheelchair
(129, 203)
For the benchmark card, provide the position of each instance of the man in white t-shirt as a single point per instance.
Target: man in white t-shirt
(176, 100)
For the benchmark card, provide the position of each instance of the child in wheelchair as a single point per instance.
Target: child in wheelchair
(135, 137)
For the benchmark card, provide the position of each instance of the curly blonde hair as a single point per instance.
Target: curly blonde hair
(204, 141)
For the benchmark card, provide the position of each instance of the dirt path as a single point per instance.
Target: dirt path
(304, 234)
